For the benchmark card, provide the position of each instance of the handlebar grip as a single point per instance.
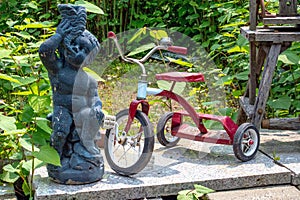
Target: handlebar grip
(111, 35)
(177, 49)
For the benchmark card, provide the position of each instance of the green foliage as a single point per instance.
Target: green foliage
(195, 194)
(25, 93)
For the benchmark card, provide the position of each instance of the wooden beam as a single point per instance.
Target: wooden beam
(271, 34)
(246, 106)
(265, 85)
(281, 123)
(282, 20)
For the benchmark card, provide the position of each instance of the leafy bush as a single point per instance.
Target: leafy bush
(25, 94)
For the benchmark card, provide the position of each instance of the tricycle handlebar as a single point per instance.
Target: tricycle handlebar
(171, 48)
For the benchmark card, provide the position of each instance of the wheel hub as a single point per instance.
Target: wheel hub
(251, 142)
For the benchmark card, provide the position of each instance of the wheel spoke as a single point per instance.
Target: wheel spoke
(116, 148)
(124, 154)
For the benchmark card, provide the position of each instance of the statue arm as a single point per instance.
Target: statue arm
(47, 52)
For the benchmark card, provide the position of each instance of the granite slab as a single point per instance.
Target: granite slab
(262, 193)
(285, 146)
(7, 192)
(172, 170)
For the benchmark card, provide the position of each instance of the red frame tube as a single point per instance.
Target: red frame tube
(189, 109)
(132, 111)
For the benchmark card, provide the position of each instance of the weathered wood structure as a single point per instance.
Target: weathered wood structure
(266, 43)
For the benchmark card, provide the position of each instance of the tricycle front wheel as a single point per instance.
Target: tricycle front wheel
(246, 142)
(127, 153)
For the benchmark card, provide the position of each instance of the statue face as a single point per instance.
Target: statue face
(78, 51)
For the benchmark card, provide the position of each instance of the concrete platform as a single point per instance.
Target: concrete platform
(174, 169)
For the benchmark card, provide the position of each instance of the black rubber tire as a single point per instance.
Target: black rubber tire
(161, 131)
(240, 142)
(147, 136)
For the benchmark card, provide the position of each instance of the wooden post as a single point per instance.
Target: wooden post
(287, 7)
(265, 85)
(253, 14)
(252, 80)
(246, 106)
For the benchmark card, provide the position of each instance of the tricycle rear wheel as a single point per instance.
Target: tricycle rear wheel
(163, 131)
(246, 142)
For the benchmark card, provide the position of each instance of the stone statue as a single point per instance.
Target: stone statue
(77, 109)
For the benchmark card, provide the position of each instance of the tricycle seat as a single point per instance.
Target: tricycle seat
(180, 77)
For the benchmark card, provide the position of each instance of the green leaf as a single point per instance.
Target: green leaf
(40, 137)
(8, 78)
(202, 189)
(27, 114)
(137, 34)
(33, 25)
(90, 7)
(289, 57)
(32, 5)
(28, 164)
(237, 49)
(10, 168)
(165, 85)
(9, 177)
(228, 35)
(204, 24)
(48, 154)
(225, 80)
(180, 62)
(23, 81)
(233, 24)
(284, 59)
(7, 123)
(188, 195)
(141, 49)
(283, 102)
(242, 41)
(39, 103)
(23, 34)
(15, 132)
(93, 74)
(25, 187)
(4, 53)
(158, 34)
(27, 145)
(43, 124)
(243, 76)
(211, 103)
(22, 93)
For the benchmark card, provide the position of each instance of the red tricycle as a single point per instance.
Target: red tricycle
(129, 145)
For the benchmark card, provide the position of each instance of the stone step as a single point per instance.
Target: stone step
(286, 192)
(171, 170)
